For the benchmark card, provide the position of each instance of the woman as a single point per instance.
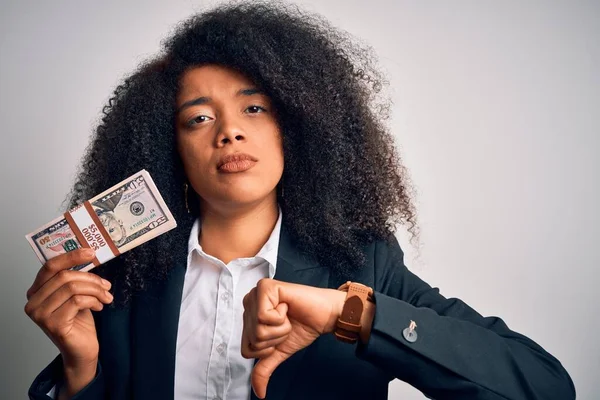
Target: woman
(261, 128)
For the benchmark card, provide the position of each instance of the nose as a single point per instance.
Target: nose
(230, 131)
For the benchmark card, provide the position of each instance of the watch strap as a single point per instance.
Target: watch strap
(348, 325)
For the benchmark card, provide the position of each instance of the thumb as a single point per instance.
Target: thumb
(263, 370)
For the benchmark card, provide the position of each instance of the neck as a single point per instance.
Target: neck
(239, 233)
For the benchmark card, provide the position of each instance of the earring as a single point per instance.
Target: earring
(185, 194)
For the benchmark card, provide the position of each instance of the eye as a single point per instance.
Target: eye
(255, 109)
(198, 120)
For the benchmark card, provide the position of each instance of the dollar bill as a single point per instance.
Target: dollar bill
(131, 212)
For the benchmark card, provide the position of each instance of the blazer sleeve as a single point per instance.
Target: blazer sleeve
(53, 375)
(457, 352)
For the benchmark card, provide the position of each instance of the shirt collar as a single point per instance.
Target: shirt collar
(268, 252)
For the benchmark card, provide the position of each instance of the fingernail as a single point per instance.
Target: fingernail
(110, 296)
(106, 283)
(88, 252)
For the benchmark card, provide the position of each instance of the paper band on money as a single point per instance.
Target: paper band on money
(123, 217)
(91, 233)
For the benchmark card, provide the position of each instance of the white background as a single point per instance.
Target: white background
(495, 109)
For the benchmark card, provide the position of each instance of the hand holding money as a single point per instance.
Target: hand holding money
(60, 302)
(62, 296)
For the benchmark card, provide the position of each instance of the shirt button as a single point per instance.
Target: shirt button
(225, 297)
(221, 348)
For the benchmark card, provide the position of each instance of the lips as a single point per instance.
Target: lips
(237, 162)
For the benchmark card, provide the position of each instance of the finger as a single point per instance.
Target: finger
(245, 347)
(249, 303)
(59, 263)
(263, 333)
(248, 298)
(268, 315)
(67, 291)
(263, 370)
(260, 353)
(249, 350)
(249, 324)
(62, 317)
(259, 346)
(64, 277)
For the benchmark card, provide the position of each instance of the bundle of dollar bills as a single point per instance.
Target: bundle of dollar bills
(123, 217)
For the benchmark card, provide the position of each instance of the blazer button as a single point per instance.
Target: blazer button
(410, 334)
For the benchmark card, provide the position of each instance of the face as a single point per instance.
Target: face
(228, 138)
(113, 226)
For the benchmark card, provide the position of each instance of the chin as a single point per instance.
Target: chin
(245, 195)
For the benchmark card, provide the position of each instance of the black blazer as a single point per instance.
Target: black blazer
(458, 353)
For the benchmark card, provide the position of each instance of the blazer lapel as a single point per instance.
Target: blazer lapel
(154, 336)
(294, 267)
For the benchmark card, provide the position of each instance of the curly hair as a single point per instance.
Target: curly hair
(343, 182)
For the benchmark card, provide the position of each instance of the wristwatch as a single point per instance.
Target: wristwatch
(348, 325)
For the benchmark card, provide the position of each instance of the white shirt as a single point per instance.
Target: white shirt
(208, 362)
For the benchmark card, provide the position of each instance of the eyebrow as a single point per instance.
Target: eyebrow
(202, 100)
